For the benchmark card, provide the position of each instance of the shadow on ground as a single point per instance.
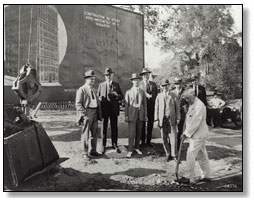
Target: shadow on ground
(214, 153)
(69, 179)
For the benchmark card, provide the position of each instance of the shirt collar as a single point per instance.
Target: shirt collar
(195, 101)
(110, 82)
(88, 86)
(135, 88)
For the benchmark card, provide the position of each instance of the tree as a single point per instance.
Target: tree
(223, 63)
(202, 40)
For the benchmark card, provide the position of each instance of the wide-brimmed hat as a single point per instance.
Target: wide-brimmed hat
(194, 77)
(165, 82)
(108, 71)
(134, 76)
(145, 71)
(177, 80)
(89, 73)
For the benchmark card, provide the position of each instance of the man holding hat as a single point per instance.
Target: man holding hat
(151, 92)
(89, 112)
(183, 105)
(110, 94)
(167, 114)
(135, 114)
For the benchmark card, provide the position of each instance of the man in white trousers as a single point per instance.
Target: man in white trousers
(197, 131)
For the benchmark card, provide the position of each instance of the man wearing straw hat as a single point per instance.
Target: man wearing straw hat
(168, 116)
(151, 92)
(135, 114)
(89, 112)
(110, 94)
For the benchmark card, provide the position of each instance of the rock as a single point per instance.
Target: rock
(116, 162)
(158, 181)
(228, 168)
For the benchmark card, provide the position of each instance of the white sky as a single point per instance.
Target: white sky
(153, 55)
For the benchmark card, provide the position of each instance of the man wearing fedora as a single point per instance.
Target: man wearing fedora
(88, 112)
(135, 114)
(200, 91)
(183, 105)
(110, 94)
(151, 92)
(167, 114)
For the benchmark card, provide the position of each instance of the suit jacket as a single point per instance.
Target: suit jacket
(159, 111)
(83, 99)
(195, 122)
(153, 89)
(183, 105)
(201, 94)
(130, 102)
(109, 106)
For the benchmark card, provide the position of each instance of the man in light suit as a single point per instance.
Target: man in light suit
(88, 112)
(197, 131)
(110, 94)
(151, 92)
(167, 113)
(135, 114)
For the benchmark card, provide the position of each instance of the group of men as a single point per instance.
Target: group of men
(179, 113)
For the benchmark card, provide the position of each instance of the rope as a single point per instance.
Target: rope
(19, 39)
(30, 33)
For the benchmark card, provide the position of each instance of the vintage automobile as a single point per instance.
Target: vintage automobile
(232, 111)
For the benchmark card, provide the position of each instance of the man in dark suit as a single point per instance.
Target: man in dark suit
(178, 91)
(151, 92)
(200, 91)
(110, 94)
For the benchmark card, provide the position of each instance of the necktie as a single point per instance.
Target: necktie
(148, 87)
(137, 94)
(93, 97)
(165, 98)
(195, 90)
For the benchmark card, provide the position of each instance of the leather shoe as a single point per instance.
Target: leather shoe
(95, 154)
(118, 150)
(204, 180)
(129, 154)
(103, 149)
(184, 180)
(169, 158)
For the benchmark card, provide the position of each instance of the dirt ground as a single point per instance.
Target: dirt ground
(115, 172)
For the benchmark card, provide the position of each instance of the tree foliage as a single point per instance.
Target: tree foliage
(224, 63)
(201, 37)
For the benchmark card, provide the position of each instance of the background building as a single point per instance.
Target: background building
(42, 22)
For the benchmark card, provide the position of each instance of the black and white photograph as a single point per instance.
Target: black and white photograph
(123, 98)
